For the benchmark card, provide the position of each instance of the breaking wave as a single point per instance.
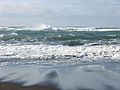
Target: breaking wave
(58, 55)
(39, 27)
(78, 28)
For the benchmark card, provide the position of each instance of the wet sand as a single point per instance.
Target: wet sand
(9, 86)
(102, 76)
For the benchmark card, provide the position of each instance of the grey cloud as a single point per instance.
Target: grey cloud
(87, 12)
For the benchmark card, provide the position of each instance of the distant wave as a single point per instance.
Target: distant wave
(74, 28)
(78, 28)
(33, 28)
(39, 27)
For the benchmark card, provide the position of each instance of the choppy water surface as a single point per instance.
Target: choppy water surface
(70, 58)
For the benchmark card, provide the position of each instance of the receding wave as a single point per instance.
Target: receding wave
(87, 77)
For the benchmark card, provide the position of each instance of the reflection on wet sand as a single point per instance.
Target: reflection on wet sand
(79, 77)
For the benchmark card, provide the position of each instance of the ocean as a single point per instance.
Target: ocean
(67, 57)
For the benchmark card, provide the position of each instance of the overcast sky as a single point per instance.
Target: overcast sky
(60, 12)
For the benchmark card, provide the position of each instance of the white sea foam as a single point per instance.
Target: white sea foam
(1, 35)
(15, 34)
(41, 27)
(35, 27)
(75, 28)
(58, 52)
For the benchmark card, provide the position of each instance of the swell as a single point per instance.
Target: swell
(73, 38)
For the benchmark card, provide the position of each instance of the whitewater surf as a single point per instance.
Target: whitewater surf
(64, 57)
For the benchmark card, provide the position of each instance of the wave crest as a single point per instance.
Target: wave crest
(41, 27)
(38, 27)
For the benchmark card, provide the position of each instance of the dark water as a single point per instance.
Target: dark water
(70, 38)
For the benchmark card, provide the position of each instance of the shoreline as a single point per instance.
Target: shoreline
(82, 77)
(12, 86)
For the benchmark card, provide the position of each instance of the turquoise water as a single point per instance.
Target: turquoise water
(70, 38)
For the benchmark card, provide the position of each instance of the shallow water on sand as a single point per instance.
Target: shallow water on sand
(101, 76)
